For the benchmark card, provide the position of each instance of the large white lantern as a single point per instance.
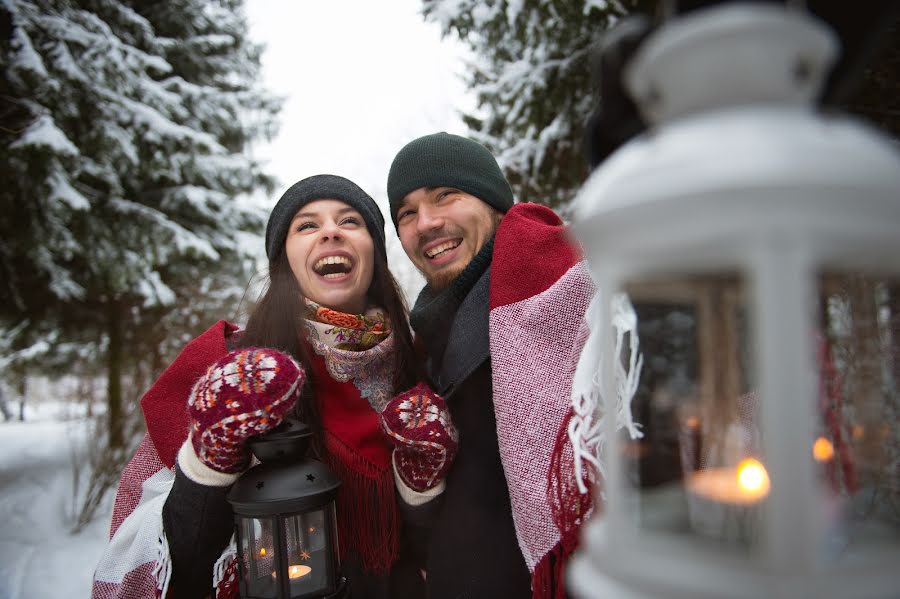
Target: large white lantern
(758, 241)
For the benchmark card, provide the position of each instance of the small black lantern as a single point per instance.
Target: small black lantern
(285, 521)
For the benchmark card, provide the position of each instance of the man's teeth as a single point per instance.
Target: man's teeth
(440, 249)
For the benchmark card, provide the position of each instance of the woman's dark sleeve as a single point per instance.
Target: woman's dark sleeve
(198, 523)
(417, 524)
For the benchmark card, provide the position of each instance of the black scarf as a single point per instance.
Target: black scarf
(437, 313)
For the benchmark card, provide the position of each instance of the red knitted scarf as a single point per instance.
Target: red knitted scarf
(356, 449)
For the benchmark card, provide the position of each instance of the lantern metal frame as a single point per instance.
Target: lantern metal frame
(739, 173)
(286, 485)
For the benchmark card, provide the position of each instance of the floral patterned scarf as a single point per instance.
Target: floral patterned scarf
(353, 332)
(353, 368)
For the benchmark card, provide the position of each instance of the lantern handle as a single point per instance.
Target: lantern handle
(288, 441)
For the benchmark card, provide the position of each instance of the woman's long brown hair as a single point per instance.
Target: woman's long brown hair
(275, 322)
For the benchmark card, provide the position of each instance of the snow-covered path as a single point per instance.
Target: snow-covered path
(38, 556)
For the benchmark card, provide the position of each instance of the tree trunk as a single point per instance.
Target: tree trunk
(23, 388)
(114, 375)
(894, 306)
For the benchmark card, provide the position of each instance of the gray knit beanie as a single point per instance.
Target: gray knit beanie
(447, 160)
(321, 187)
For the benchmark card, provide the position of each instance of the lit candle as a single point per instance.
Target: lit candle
(745, 485)
(722, 501)
(295, 571)
(298, 571)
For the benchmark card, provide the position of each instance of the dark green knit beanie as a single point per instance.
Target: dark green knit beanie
(321, 187)
(446, 160)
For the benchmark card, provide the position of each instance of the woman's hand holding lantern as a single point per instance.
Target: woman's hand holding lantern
(244, 394)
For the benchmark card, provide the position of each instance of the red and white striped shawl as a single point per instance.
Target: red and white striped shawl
(135, 563)
(539, 292)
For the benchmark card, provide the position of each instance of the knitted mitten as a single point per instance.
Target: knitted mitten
(424, 439)
(245, 393)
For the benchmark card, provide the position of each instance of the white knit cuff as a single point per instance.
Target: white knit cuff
(412, 497)
(199, 472)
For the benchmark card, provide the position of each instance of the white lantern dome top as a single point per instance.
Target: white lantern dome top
(743, 55)
(737, 149)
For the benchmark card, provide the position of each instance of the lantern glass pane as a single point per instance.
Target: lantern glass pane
(857, 440)
(698, 470)
(257, 552)
(311, 567)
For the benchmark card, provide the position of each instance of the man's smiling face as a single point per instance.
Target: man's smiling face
(442, 229)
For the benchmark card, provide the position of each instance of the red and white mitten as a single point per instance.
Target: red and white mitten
(425, 441)
(244, 394)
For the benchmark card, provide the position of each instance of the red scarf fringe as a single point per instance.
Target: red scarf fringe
(549, 578)
(367, 512)
(569, 508)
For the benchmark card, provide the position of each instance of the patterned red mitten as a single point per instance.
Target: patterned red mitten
(425, 440)
(244, 394)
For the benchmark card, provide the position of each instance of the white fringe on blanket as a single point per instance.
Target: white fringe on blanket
(163, 569)
(224, 561)
(586, 427)
(139, 541)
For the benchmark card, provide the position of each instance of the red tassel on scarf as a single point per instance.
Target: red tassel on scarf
(570, 508)
(368, 517)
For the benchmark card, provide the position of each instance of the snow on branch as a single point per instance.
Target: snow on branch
(63, 191)
(44, 134)
(25, 58)
(184, 240)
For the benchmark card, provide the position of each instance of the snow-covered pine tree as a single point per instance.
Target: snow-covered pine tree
(123, 166)
(531, 78)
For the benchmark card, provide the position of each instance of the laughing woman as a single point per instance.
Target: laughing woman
(333, 328)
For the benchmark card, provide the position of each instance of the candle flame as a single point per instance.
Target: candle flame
(753, 478)
(262, 550)
(823, 450)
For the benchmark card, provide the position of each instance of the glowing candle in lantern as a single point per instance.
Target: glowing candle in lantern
(296, 571)
(744, 485)
(722, 501)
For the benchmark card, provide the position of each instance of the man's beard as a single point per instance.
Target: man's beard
(441, 280)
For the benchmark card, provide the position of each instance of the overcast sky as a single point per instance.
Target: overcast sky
(360, 79)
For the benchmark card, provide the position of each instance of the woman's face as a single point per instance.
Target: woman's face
(331, 255)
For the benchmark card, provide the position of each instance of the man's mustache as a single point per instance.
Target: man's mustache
(442, 233)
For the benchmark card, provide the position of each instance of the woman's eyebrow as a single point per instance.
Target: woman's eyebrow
(301, 214)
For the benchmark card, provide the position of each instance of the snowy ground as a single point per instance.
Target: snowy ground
(39, 557)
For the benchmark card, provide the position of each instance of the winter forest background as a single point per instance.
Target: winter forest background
(141, 153)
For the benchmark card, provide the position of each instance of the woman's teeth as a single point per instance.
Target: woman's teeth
(332, 267)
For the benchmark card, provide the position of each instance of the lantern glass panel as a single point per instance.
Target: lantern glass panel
(698, 470)
(312, 564)
(310, 547)
(257, 553)
(857, 439)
